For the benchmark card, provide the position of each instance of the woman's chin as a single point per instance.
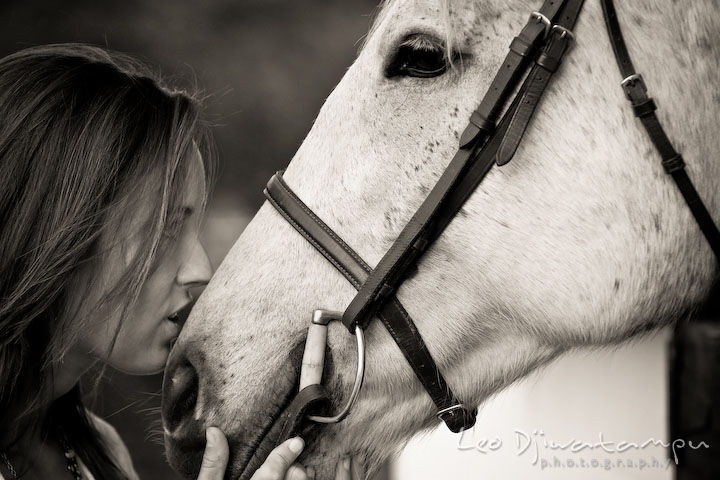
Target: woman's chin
(152, 363)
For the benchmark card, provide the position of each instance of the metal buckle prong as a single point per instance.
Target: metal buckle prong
(628, 86)
(540, 18)
(564, 32)
(630, 79)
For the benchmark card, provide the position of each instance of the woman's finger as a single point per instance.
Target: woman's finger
(215, 457)
(296, 472)
(279, 461)
(342, 472)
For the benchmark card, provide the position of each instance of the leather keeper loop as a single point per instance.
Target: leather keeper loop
(459, 419)
(635, 88)
(385, 291)
(420, 244)
(520, 46)
(480, 121)
(644, 108)
(674, 164)
(548, 62)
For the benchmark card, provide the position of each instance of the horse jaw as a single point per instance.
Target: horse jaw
(581, 240)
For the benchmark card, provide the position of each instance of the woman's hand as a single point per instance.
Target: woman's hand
(278, 466)
(216, 455)
(348, 469)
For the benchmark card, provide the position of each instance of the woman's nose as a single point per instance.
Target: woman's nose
(196, 271)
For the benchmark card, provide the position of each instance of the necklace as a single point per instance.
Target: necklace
(8, 465)
(70, 458)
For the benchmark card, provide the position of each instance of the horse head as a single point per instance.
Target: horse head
(581, 240)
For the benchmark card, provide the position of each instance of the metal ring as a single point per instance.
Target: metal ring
(359, 376)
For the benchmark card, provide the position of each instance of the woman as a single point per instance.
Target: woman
(104, 175)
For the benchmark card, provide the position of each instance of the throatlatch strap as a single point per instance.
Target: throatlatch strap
(644, 108)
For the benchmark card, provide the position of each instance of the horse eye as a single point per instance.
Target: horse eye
(419, 56)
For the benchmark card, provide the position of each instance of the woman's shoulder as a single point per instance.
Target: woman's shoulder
(116, 447)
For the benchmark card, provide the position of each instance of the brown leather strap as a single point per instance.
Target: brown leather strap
(310, 396)
(522, 50)
(315, 231)
(644, 108)
(421, 230)
(538, 79)
(393, 315)
(481, 145)
(478, 146)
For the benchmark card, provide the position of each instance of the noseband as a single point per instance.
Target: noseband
(535, 55)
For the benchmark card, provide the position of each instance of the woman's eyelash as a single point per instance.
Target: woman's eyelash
(177, 220)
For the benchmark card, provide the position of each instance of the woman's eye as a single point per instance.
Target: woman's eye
(172, 229)
(176, 221)
(173, 225)
(419, 56)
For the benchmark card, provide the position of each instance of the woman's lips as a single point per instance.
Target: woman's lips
(173, 325)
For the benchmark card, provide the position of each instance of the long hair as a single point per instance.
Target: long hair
(83, 132)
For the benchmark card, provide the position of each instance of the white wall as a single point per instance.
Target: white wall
(620, 393)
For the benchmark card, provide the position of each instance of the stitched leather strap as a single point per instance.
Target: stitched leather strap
(393, 315)
(522, 50)
(538, 79)
(310, 396)
(644, 108)
(481, 145)
(478, 146)
(315, 231)
(421, 230)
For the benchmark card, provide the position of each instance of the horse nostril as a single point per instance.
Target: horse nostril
(180, 392)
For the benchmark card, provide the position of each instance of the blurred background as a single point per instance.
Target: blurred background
(266, 67)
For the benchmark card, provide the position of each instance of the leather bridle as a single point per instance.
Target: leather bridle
(534, 57)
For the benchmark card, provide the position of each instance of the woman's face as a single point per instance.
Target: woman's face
(151, 326)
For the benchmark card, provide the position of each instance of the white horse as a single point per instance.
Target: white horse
(582, 240)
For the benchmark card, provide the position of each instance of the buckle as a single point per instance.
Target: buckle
(630, 82)
(564, 32)
(540, 18)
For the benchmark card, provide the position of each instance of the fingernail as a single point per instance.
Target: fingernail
(346, 463)
(210, 437)
(296, 445)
